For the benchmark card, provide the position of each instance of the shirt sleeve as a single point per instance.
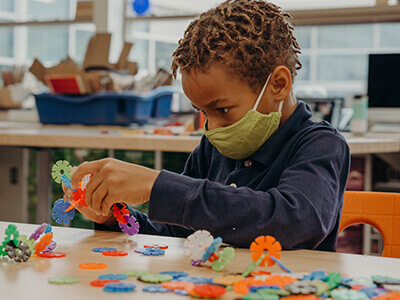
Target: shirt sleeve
(192, 169)
(301, 211)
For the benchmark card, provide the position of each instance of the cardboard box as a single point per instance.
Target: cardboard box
(6, 101)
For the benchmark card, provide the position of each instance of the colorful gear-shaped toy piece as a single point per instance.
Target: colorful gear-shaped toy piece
(119, 287)
(60, 215)
(102, 282)
(38, 232)
(385, 280)
(175, 274)
(156, 289)
(50, 247)
(114, 253)
(30, 242)
(265, 243)
(345, 294)
(207, 291)
(227, 280)
(52, 254)
(63, 280)
(120, 211)
(195, 280)
(212, 249)
(20, 253)
(131, 227)
(113, 276)
(92, 266)
(59, 168)
(155, 278)
(102, 249)
(150, 251)
(135, 273)
(12, 234)
(43, 243)
(196, 243)
(225, 257)
(301, 288)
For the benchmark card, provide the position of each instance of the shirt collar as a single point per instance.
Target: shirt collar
(273, 146)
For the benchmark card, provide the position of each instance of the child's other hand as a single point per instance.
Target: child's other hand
(114, 181)
(86, 211)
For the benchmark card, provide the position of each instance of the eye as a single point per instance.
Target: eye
(224, 110)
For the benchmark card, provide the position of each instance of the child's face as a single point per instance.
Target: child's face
(222, 97)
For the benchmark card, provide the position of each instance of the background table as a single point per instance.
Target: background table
(44, 137)
(30, 280)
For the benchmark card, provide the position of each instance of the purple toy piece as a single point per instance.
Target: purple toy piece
(131, 227)
(50, 247)
(38, 232)
(196, 263)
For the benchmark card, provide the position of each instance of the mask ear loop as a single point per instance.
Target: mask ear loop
(280, 106)
(262, 93)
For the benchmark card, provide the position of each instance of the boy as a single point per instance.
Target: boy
(263, 166)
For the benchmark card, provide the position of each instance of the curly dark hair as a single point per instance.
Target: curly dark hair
(250, 37)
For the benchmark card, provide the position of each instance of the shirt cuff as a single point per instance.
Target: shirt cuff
(168, 197)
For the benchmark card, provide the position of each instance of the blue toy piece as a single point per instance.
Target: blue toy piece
(66, 181)
(59, 213)
(175, 274)
(102, 249)
(181, 292)
(119, 287)
(282, 266)
(212, 249)
(150, 251)
(315, 275)
(141, 6)
(196, 280)
(48, 228)
(156, 289)
(113, 276)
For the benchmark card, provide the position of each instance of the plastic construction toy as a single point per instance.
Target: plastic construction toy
(20, 253)
(60, 213)
(52, 254)
(63, 280)
(102, 282)
(131, 226)
(43, 243)
(99, 250)
(150, 251)
(175, 274)
(11, 234)
(113, 276)
(156, 246)
(60, 168)
(92, 266)
(207, 291)
(201, 247)
(156, 289)
(114, 253)
(119, 287)
(155, 278)
(257, 248)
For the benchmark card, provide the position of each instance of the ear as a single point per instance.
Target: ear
(281, 83)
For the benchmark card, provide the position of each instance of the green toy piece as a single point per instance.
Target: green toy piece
(225, 257)
(63, 280)
(252, 266)
(30, 242)
(334, 279)
(135, 273)
(155, 278)
(59, 168)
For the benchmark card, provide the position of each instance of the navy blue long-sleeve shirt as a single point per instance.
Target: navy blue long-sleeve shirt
(292, 188)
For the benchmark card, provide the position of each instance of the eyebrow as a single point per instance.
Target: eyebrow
(215, 102)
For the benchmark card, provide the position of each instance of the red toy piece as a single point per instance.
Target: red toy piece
(102, 282)
(78, 197)
(156, 246)
(51, 254)
(114, 253)
(119, 213)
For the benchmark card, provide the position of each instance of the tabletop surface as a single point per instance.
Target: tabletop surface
(116, 137)
(30, 280)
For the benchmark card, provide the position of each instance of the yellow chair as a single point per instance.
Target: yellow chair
(380, 210)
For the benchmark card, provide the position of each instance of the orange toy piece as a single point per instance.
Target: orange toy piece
(119, 214)
(43, 243)
(114, 253)
(242, 286)
(265, 243)
(381, 210)
(93, 266)
(389, 296)
(178, 285)
(261, 272)
(102, 282)
(301, 297)
(78, 197)
(207, 291)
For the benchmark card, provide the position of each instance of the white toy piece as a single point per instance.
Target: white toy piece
(85, 181)
(196, 244)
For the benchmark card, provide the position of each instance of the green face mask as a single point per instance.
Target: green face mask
(241, 139)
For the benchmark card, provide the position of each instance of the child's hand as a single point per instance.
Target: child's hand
(113, 181)
(86, 211)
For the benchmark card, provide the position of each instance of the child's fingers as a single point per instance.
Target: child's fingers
(91, 187)
(97, 198)
(107, 203)
(84, 169)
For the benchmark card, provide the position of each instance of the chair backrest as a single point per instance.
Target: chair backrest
(380, 210)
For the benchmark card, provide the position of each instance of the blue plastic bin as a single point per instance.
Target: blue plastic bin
(95, 109)
(160, 98)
